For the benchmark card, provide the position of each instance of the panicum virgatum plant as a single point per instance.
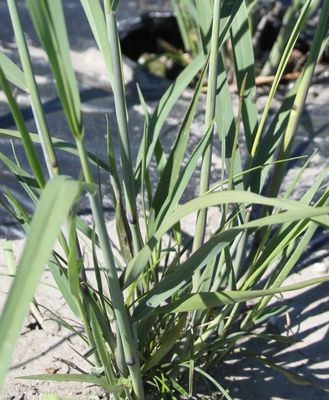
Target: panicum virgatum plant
(165, 304)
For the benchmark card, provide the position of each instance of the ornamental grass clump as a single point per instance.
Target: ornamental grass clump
(166, 304)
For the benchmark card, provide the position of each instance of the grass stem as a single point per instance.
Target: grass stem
(210, 115)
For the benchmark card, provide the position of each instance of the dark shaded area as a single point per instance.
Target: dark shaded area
(149, 33)
(143, 34)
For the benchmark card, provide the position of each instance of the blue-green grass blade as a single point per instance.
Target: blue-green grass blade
(205, 300)
(13, 73)
(32, 89)
(297, 99)
(114, 176)
(214, 382)
(314, 188)
(234, 161)
(176, 192)
(167, 342)
(204, 9)
(181, 276)
(274, 311)
(225, 122)
(320, 36)
(229, 11)
(29, 148)
(177, 154)
(270, 142)
(16, 210)
(244, 62)
(52, 210)
(59, 26)
(164, 107)
(59, 144)
(178, 387)
(283, 63)
(97, 23)
(28, 183)
(160, 157)
(145, 188)
(121, 114)
(74, 266)
(62, 282)
(284, 236)
(123, 231)
(278, 127)
(88, 232)
(101, 348)
(205, 173)
(286, 265)
(274, 248)
(91, 379)
(122, 225)
(297, 211)
(92, 305)
(98, 271)
(185, 12)
(49, 22)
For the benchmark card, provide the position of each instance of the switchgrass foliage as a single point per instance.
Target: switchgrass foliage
(165, 305)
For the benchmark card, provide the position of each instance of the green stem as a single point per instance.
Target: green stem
(122, 119)
(210, 115)
(88, 330)
(39, 116)
(41, 123)
(43, 131)
(120, 312)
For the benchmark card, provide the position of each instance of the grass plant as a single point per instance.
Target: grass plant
(165, 304)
